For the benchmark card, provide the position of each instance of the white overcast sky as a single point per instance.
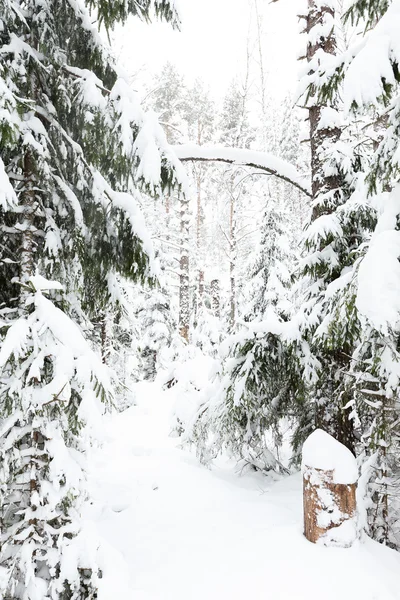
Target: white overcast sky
(212, 43)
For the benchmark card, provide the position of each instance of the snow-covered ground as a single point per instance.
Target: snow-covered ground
(175, 530)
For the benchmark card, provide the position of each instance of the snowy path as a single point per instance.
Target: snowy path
(187, 533)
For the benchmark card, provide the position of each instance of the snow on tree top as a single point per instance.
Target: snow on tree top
(322, 451)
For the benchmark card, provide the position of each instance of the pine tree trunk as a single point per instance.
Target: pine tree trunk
(184, 290)
(320, 181)
(27, 197)
(104, 338)
(233, 294)
(28, 204)
(215, 297)
(232, 260)
(201, 286)
(199, 223)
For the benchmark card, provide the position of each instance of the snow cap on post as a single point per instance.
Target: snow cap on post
(322, 451)
(329, 491)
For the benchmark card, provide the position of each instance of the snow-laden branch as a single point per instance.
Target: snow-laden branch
(247, 158)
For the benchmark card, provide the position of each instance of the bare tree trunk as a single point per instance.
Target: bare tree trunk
(184, 290)
(215, 297)
(201, 285)
(199, 224)
(198, 214)
(268, 140)
(28, 230)
(167, 214)
(232, 259)
(105, 325)
(320, 181)
(28, 201)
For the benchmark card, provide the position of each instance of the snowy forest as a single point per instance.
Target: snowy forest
(199, 306)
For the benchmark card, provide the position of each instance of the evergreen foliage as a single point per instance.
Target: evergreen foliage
(53, 385)
(373, 377)
(75, 149)
(157, 332)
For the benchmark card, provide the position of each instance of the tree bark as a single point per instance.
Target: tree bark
(319, 137)
(27, 227)
(327, 505)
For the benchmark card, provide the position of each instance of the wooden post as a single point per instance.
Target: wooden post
(329, 491)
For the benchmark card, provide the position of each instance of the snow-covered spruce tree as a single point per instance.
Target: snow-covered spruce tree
(168, 99)
(374, 370)
(234, 121)
(72, 139)
(244, 412)
(52, 390)
(262, 372)
(118, 335)
(158, 328)
(270, 272)
(339, 224)
(259, 377)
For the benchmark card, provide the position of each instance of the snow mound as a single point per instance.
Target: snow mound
(322, 451)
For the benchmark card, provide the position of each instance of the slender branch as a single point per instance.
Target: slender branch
(245, 158)
(56, 397)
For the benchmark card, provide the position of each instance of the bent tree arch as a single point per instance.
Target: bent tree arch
(262, 161)
(246, 158)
